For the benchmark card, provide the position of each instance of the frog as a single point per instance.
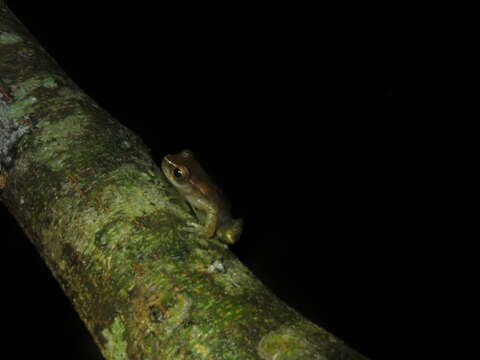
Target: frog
(206, 199)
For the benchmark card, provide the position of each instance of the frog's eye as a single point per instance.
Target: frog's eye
(180, 173)
(177, 173)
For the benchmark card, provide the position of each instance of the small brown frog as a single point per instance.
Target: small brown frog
(206, 199)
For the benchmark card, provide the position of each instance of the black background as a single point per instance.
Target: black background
(344, 135)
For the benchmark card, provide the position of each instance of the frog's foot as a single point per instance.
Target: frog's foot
(195, 228)
(192, 227)
(231, 233)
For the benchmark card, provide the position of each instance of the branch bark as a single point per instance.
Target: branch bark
(105, 220)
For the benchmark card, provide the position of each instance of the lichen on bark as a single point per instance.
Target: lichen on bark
(109, 226)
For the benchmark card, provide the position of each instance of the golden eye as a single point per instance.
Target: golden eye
(180, 173)
(177, 173)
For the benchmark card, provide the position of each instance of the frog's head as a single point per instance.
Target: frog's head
(185, 173)
(177, 169)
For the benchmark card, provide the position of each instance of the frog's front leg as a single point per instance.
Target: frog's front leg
(210, 225)
(207, 217)
(206, 230)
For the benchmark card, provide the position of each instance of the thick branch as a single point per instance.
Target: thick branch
(109, 226)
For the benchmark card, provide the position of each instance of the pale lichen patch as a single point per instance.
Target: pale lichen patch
(286, 343)
(11, 130)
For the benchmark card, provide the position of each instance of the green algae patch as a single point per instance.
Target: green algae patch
(26, 87)
(115, 347)
(9, 38)
(71, 93)
(22, 108)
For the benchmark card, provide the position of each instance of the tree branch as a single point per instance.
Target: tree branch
(108, 224)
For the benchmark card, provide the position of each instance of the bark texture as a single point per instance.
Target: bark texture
(103, 217)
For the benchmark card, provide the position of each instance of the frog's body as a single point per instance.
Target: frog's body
(206, 199)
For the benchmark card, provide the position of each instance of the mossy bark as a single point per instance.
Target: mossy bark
(102, 215)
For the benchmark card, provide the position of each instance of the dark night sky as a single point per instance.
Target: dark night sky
(344, 135)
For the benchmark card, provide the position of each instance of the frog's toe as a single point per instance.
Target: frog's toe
(192, 227)
(195, 228)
